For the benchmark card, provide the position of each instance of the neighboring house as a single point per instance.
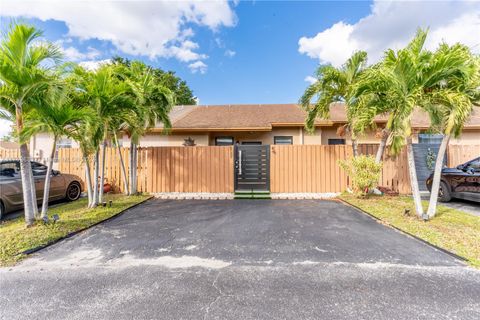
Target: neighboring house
(259, 124)
(8, 145)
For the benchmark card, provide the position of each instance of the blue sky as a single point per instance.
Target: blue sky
(243, 52)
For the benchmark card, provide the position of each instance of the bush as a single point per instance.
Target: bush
(364, 173)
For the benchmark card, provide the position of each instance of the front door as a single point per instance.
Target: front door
(252, 167)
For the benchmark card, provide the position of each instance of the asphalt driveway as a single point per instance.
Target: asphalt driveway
(258, 259)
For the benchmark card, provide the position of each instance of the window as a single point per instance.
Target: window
(283, 140)
(336, 141)
(9, 169)
(39, 169)
(64, 143)
(475, 165)
(252, 143)
(223, 141)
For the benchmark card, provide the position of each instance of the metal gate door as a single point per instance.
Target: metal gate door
(252, 167)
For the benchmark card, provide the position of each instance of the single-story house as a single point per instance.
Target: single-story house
(209, 125)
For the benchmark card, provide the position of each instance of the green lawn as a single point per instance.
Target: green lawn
(451, 229)
(74, 216)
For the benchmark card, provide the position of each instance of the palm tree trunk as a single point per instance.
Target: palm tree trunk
(48, 177)
(132, 169)
(413, 179)
(381, 147)
(25, 170)
(102, 174)
(135, 163)
(95, 179)
(355, 147)
(88, 179)
(122, 164)
(36, 213)
(437, 174)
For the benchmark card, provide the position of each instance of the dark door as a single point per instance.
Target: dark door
(252, 167)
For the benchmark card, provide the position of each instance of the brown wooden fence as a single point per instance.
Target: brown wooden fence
(9, 153)
(190, 169)
(314, 168)
(458, 154)
(295, 168)
(164, 169)
(308, 168)
(395, 168)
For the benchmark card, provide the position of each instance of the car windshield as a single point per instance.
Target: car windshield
(9, 169)
(475, 164)
(39, 169)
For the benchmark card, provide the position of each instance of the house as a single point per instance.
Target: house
(266, 124)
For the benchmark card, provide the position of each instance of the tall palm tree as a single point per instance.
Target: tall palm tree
(24, 75)
(406, 79)
(107, 97)
(58, 116)
(153, 103)
(335, 85)
(451, 104)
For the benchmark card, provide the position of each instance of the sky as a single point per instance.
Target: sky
(244, 51)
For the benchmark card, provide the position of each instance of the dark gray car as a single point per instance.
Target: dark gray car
(63, 186)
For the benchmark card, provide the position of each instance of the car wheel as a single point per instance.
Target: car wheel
(73, 191)
(2, 210)
(444, 194)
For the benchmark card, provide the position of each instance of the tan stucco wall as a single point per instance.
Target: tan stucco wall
(313, 138)
(468, 138)
(41, 145)
(174, 139)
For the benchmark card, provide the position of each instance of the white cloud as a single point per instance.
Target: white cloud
(73, 54)
(310, 79)
(391, 24)
(230, 53)
(198, 66)
(94, 64)
(140, 28)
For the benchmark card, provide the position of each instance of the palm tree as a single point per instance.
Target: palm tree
(335, 85)
(58, 116)
(107, 97)
(406, 79)
(23, 77)
(399, 82)
(451, 104)
(153, 102)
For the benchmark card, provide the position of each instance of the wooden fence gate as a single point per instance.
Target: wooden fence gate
(252, 167)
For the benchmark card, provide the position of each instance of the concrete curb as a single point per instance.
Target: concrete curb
(71, 234)
(450, 253)
(231, 196)
(193, 196)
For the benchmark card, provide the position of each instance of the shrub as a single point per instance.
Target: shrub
(364, 173)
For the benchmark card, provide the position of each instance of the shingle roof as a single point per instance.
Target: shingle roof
(264, 116)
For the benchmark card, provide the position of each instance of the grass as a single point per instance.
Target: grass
(450, 229)
(15, 238)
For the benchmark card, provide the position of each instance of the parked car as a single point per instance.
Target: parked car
(462, 182)
(62, 186)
